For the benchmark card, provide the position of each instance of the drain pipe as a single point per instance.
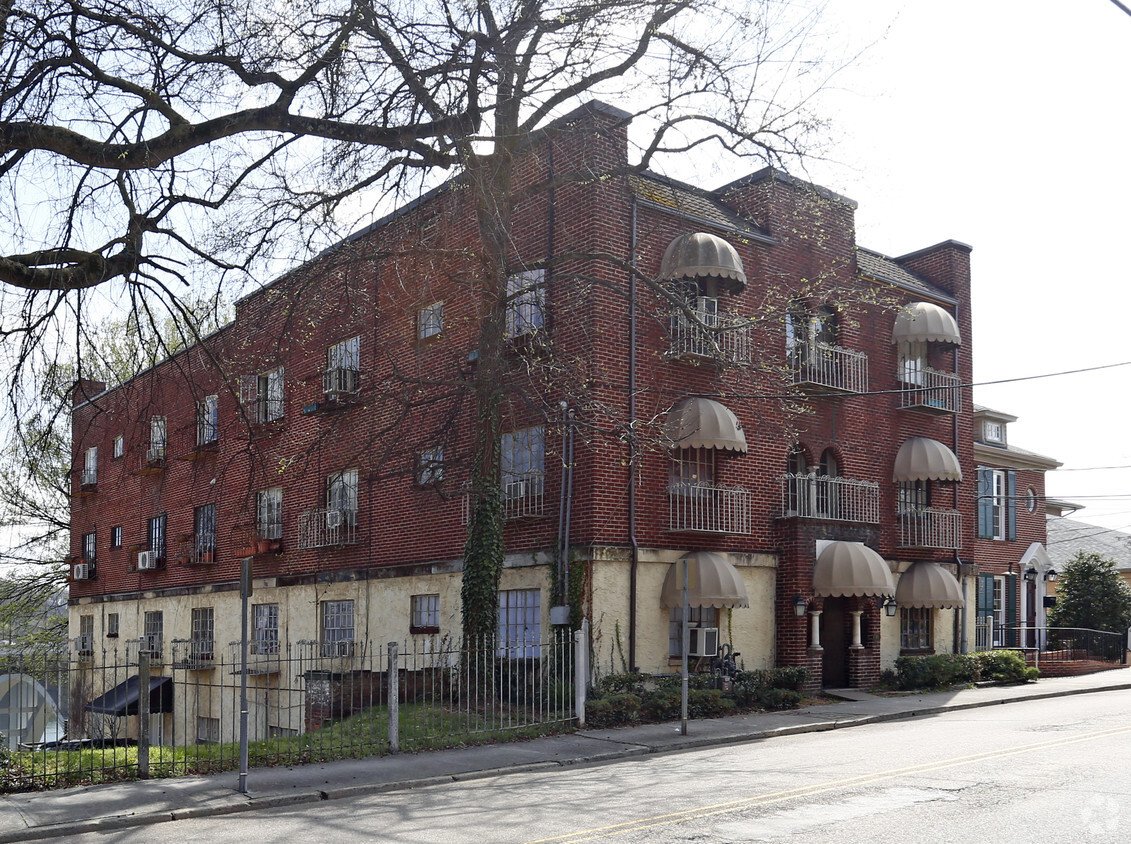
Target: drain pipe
(635, 544)
(562, 591)
(568, 511)
(960, 639)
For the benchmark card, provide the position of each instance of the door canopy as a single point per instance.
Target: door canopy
(711, 582)
(928, 585)
(845, 569)
(704, 423)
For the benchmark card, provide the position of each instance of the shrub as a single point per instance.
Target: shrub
(935, 670)
(780, 699)
(708, 703)
(1004, 667)
(661, 706)
(616, 710)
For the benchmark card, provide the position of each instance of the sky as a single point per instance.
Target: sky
(1005, 124)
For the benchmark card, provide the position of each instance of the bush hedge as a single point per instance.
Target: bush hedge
(939, 670)
(617, 700)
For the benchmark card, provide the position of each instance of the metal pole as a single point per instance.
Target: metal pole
(143, 714)
(394, 699)
(686, 633)
(580, 669)
(245, 594)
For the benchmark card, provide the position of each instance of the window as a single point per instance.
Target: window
(430, 320)
(204, 533)
(203, 633)
(116, 536)
(430, 466)
(522, 460)
(343, 367)
(692, 469)
(915, 628)
(89, 546)
(207, 730)
(520, 628)
(275, 731)
(341, 497)
(269, 513)
(86, 633)
(997, 503)
(207, 420)
(158, 439)
(1031, 500)
(994, 432)
(154, 630)
(262, 396)
(90, 467)
(119, 446)
(913, 496)
(696, 617)
(828, 504)
(526, 302)
(913, 362)
(425, 614)
(265, 618)
(155, 533)
(336, 627)
(112, 625)
(797, 484)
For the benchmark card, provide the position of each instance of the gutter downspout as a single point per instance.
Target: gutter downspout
(635, 544)
(960, 638)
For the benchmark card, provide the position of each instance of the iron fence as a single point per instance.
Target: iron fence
(813, 496)
(708, 508)
(1063, 645)
(74, 718)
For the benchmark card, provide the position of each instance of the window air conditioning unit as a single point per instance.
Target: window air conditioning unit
(82, 571)
(704, 641)
(146, 560)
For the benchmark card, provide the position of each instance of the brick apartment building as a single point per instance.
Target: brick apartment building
(742, 383)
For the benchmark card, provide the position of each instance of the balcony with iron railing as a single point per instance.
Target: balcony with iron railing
(931, 391)
(194, 654)
(930, 527)
(82, 647)
(263, 656)
(88, 479)
(814, 496)
(150, 643)
(521, 496)
(822, 367)
(326, 527)
(708, 508)
(340, 382)
(722, 339)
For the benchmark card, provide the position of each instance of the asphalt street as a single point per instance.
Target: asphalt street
(1035, 771)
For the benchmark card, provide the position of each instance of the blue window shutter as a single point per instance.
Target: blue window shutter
(985, 504)
(1011, 505)
(1010, 637)
(985, 594)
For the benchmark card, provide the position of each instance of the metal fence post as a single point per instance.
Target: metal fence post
(143, 714)
(245, 595)
(580, 669)
(393, 692)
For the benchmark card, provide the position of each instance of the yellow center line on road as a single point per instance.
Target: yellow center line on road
(819, 788)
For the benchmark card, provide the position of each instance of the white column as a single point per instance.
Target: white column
(815, 630)
(857, 641)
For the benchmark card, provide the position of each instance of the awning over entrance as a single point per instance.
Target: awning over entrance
(928, 585)
(924, 459)
(711, 582)
(851, 568)
(123, 698)
(703, 423)
(703, 256)
(924, 322)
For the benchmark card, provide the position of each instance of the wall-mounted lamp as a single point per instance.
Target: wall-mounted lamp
(1030, 574)
(800, 605)
(890, 607)
(1051, 575)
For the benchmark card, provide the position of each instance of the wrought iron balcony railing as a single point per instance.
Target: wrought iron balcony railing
(815, 496)
(930, 528)
(326, 527)
(933, 391)
(708, 508)
(720, 338)
(829, 368)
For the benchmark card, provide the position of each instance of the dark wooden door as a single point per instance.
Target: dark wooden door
(834, 639)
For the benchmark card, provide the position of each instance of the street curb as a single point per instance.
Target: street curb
(629, 750)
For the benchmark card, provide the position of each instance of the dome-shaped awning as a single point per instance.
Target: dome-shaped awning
(924, 322)
(703, 423)
(924, 459)
(928, 585)
(851, 568)
(711, 582)
(703, 256)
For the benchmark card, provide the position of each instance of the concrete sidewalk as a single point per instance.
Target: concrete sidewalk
(39, 815)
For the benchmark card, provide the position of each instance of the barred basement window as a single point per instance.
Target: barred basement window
(207, 730)
(266, 626)
(520, 623)
(915, 628)
(425, 614)
(696, 617)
